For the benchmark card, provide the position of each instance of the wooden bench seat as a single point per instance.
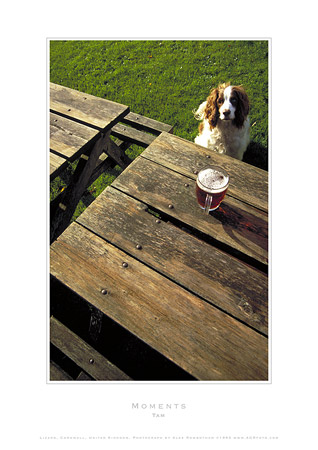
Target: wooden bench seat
(140, 130)
(94, 366)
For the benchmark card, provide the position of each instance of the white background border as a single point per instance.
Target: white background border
(214, 413)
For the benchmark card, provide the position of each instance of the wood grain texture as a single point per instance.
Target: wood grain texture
(204, 341)
(85, 108)
(219, 278)
(247, 183)
(69, 138)
(117, 154)
(146, 124)
(83, 354)
(235, 224)
(57, 164)
(132, 135)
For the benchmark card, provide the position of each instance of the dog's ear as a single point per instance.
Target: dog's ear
(212, 111)
(243, 106)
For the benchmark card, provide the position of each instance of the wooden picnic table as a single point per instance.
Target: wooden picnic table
(192, 286)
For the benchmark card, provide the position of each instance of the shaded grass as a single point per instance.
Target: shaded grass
(165, 80)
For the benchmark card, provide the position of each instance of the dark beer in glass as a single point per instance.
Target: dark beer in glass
(211, 186)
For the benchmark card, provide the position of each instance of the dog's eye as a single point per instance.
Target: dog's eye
(220, 101)
(233, 100)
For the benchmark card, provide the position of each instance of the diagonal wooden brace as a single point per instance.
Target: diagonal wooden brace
(117, 154)
(61, 211)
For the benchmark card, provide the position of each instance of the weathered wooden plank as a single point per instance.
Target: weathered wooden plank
(69, 138)
(198, 337)
(235, 224)
(86, 108)
(58, 374)
(219, 278)
(146, 124)
(83, 354)
(247, 183)
(57, 164)
(132, 135)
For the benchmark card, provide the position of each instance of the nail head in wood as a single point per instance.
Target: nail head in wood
(125, 264)
(138, 247)
(104, 291)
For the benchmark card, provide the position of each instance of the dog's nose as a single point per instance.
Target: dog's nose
(226, 112)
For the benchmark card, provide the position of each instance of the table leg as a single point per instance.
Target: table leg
(118, 155)
(62, 210)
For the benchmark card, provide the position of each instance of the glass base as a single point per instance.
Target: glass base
(213, 209)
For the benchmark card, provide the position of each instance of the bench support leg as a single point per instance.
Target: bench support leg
(117, 154)
(62, 210)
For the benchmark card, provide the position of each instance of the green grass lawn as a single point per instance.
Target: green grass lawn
(164, 80)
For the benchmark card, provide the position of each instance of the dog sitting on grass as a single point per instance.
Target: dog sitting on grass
(225, 124)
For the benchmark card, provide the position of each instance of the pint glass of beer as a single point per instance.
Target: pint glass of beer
(211, 186)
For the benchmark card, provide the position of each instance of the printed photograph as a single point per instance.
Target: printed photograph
(159, 188)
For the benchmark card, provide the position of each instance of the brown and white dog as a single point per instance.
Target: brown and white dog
(225, 123)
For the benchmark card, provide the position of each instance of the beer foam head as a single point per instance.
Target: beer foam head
(213, 179)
